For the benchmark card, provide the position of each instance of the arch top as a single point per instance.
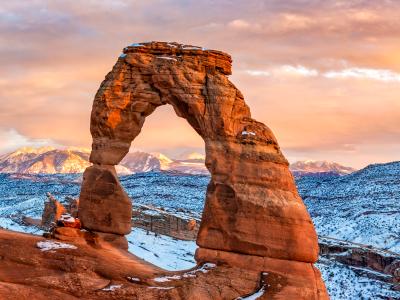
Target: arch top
(177, 51)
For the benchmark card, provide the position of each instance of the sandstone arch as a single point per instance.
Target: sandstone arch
(252, 205)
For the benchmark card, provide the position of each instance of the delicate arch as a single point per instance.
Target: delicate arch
(252, 205)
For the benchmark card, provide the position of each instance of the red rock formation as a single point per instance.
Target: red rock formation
(104, 206)
(52, 211)
(32, 268)
(252, 205)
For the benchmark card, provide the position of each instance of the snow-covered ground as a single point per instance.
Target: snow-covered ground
(362, 207)
(343, 283)
(163, 251)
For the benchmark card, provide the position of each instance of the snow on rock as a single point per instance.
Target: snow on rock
(52, 245)
(112, 287)
(188, 47)
(190, 274)
(161, 287)
(248, 133)
(67, 218)
(167, 278)
(167, 58)
(254, 296)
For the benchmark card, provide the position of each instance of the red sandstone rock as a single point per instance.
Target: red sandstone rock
(286, 279)
(73, 206)
(252, 205)
(52, 211)
(104, 205)
(87, 271)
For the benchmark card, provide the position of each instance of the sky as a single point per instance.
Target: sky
(323, 75)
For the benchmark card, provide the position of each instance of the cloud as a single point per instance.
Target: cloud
(239, 24)
(365, 73)
(316, 72)
(285, 70)
(11, 140)
(348, 73)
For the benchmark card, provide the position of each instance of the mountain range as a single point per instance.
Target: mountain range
(49, 160)
(319, 168)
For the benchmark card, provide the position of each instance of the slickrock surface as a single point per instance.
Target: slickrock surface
(252, 205)
(32, 267)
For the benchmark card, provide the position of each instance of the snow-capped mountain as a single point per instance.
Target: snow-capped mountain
(50, 160)
(312, 167)
(45, 160)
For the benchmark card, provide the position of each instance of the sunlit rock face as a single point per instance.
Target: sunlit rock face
(252, 205)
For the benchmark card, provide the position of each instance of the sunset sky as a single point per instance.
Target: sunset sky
(323, 75)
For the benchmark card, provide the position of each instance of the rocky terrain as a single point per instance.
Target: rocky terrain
(362, 207)
(33, 267)
(183, 196)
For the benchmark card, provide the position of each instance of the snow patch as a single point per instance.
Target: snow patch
(167, 58)
(161, 287)
(67, 218)
(248, 133)
(203, 269)
(133, 279)
(163, 251)
(167, 278)
(112, 287)
(51, 245)
(254, 296)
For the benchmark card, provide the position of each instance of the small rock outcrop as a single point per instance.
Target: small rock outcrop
(52, 212)
(253, 213)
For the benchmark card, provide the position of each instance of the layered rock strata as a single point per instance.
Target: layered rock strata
(252, 205)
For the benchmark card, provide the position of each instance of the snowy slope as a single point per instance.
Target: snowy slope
(363, 207)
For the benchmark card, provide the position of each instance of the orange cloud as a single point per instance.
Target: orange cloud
(322, 74)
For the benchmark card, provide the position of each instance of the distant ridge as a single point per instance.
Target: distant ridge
(50, 160)
(313, 167)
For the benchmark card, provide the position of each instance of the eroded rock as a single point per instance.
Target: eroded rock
(104, 206)
(252, 205)
(53, 210)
